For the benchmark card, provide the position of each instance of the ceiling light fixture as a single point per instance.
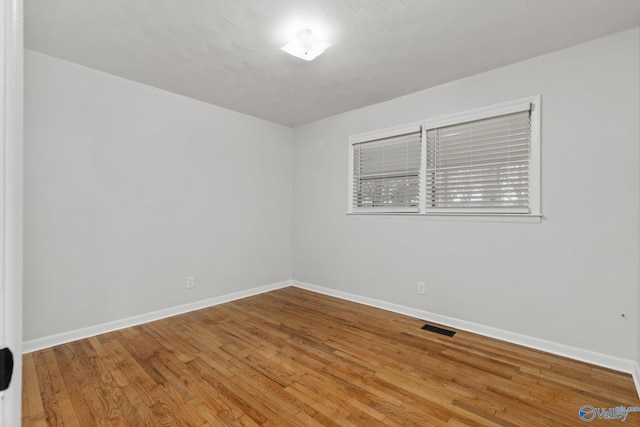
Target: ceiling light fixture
(305, 45)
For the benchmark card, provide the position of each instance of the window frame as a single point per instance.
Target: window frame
(535, 212)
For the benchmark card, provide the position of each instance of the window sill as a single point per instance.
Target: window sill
(452, 217)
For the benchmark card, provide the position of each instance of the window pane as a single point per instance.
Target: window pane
(386, 173)
(482, 164)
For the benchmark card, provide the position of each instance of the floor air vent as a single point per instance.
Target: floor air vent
(438, 330)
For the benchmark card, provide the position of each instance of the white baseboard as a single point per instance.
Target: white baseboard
(583, 355)
(53, 340)
(607, 361)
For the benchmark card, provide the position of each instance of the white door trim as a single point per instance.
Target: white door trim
(11, 146)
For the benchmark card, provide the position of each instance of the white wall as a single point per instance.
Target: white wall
(129, 189)
(566, 280)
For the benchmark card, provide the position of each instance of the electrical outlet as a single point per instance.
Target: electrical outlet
(191, 282)
(422, 288)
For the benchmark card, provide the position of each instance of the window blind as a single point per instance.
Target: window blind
(386, 173)
(481, 165)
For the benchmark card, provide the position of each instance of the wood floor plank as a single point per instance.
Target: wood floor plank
(296, 358)
(63, 395)
(47, 394)
(33, 409)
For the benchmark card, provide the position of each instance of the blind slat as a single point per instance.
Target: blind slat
(486, 144)
(522, 162)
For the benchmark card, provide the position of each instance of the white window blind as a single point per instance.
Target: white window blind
(483, 164)
(480, 166)
(386, 174)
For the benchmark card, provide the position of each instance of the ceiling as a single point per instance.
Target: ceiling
(227, 52)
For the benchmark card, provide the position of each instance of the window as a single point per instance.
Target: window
(481, 162)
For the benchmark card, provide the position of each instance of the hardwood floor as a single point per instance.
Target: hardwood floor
(295, 358)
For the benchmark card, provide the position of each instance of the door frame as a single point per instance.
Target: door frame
(11, 167)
